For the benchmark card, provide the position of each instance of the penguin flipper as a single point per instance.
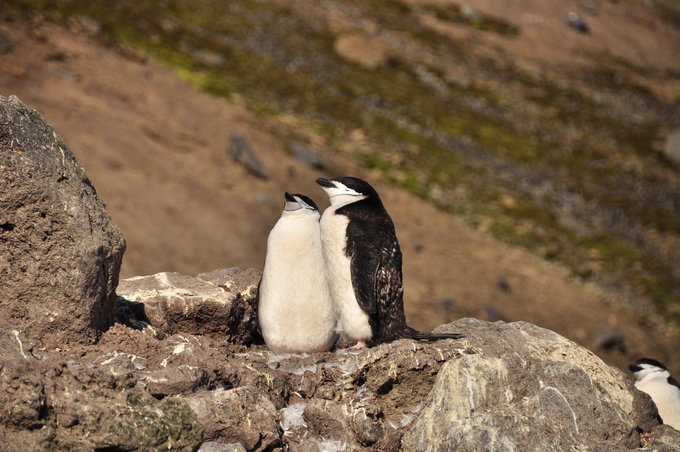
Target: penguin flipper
(365, 252)
(364, 270)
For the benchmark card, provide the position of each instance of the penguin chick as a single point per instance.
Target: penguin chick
(295, 310)
(653, 378)
(363, 265)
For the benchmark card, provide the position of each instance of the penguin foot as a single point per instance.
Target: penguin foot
(359, 345)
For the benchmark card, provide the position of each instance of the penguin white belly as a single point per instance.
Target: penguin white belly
(666, 398)
(353, 321)
(295, 309)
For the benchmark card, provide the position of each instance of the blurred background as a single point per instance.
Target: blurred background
(528, 151)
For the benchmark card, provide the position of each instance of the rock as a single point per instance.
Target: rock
(609, 338)
(306, 155)
(132, 420)
(671, 147)
(6, 44)
(88, 25)
(588, 7)
(221, 303)
(243, 415)
(524, 388)
(645, 413)
(213, 446)
(60, 253)
(51, 404)
(179, 371)
(241, 152)
(266, 200)
(470, 14)
(494, 314)
(447, 304)
(505, 386)
(663, 438)
(363, 50)
(503, 285)
(576, 22)
(203, 56)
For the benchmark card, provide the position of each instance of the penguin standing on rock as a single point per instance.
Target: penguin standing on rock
(653, 378)
(363, 265)
(295, 310)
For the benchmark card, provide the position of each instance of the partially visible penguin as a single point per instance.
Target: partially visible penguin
(295, 310)
(653, 378)
(363, 265)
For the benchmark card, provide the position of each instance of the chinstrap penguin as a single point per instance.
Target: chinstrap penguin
(295, 310)
(363, 265)
(653, 378)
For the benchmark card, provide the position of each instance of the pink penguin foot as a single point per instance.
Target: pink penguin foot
(359, 345)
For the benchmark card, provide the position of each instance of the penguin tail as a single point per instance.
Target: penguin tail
(421, 336)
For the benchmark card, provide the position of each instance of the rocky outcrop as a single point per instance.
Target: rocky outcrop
(505, 386)
(527, 389)
(221, 303)
(53, 403)
(60, 253)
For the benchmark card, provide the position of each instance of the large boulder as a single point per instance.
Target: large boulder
(60, 253)
(526, 388)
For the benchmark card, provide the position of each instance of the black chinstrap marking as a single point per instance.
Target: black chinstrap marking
(650, 361)
(672, 381)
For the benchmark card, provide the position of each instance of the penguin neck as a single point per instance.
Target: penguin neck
(343, 199)
(300, 214)
(662, 375)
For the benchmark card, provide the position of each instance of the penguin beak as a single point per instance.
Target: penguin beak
(325, 183)
(633, 368)
(290, 197)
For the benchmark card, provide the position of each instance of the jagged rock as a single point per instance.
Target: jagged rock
(505, 386)
(243, 415)
(241, 152)
(51, 404)
(60, 253)
(179, 371)
(213, 446)
(219, 303)
(524, 388)
(130, 420)
(662, 438)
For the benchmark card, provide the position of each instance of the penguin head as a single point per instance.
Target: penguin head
(297, 204)
(647, 369)
(346, 190)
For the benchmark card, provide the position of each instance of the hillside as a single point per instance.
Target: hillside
(556, 147)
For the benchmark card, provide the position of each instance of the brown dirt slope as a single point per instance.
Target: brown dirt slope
(156, 150)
